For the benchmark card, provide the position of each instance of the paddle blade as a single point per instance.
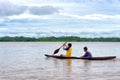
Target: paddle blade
(56, 51)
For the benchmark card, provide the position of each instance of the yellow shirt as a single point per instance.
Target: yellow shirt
(69, 52)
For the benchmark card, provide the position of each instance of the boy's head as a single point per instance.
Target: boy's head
(85, 48)
(69, 44)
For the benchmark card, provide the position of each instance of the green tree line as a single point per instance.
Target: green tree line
(53, 39)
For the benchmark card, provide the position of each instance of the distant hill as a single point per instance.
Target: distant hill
(53, 39)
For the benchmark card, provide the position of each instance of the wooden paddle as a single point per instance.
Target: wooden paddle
(57, 50)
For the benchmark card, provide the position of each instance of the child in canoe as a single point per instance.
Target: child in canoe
(87, 53)
(68, 49)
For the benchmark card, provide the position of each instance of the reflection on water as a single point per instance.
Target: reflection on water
(86, 68)
(68, 62)
(26, 61)
(87, 65)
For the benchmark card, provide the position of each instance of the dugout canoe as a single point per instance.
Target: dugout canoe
(93, 58)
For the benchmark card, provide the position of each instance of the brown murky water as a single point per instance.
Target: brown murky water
(26, 61)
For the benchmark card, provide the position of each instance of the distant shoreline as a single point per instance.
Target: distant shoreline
(56, 39)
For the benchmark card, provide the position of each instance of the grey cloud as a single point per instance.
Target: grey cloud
(8, 9)
(44, 10)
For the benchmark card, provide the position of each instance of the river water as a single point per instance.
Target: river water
(26, 61)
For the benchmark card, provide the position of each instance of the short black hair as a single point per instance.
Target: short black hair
(69, 44)
(85, 48)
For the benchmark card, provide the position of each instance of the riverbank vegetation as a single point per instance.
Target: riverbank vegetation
(54, 39)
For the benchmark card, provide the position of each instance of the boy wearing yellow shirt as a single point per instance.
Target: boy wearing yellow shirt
(68, 49)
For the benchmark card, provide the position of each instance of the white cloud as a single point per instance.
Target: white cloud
(58, 34)
(60, 17)
(92, 16)
(79, 9)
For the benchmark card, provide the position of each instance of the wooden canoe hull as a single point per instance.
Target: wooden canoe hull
(93, 58)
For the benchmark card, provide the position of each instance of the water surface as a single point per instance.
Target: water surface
(26, 61)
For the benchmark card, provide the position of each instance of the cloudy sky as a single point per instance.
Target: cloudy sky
(43, 18)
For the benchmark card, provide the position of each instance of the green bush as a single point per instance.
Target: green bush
(53, 39)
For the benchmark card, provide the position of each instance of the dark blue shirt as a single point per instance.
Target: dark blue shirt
(67, 49)
(87, 55)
